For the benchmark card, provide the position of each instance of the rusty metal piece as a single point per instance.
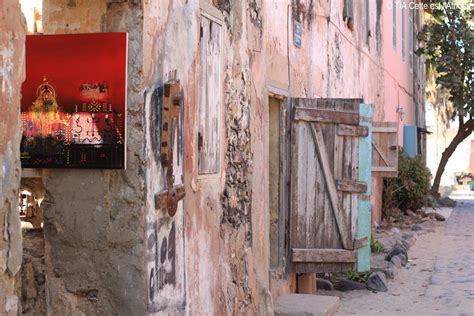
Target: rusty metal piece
(168, 199)
(170, 113)
(177, 100)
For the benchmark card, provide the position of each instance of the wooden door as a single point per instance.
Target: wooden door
(385, 149)
(330, 144)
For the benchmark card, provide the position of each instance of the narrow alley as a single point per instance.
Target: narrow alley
(439, 278)
(228, 157)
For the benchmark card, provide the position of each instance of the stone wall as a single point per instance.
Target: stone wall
(109, 248)
(12, 43)
(94, 219)
(221, 211)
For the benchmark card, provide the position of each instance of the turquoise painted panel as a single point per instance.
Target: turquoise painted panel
(410, 141)
(365, 174)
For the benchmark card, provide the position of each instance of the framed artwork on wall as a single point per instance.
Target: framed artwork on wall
(73, 108)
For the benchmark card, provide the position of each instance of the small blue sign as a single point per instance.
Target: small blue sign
(297, 31)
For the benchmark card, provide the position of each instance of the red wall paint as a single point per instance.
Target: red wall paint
(70, 60)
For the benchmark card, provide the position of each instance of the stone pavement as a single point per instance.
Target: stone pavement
(439, 277)
(452, 281)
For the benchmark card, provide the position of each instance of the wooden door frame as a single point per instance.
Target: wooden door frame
(283, 212)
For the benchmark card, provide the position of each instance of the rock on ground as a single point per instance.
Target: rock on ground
(396, 250)
(446, 201)
(322, 284)
(377, 282)
(345, 285)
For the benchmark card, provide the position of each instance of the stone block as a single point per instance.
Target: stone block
(307, 305)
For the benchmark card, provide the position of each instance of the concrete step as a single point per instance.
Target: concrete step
(306, 304)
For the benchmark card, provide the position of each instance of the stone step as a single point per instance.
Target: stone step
(306, 304)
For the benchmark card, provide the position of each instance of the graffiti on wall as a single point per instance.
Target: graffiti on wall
(165, 234)
(165, 261)
(164, 265)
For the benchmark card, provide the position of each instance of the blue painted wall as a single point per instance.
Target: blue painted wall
(365, 174)
(410, 140)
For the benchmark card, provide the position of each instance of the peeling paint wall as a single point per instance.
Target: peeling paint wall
(94, 220)
(12, 39)
(221, 211)
(332, 62)
(109, 247)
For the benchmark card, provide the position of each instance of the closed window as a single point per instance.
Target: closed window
(348, 14)
(411, 38)
(394, 24)
(210, 96)
(367, 22)
(403, 30)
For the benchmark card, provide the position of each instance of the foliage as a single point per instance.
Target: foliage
(376, 246)
(360, 277)
(449, 51)
(410, 189)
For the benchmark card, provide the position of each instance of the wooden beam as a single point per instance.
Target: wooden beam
(326, 116)
(351, 186)
(384, 169)
(384, 129)
(352, 130)
(382, 155)
(323, 255)
(342, 224)
(361, 242)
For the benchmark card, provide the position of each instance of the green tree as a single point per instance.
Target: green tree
(449, 50)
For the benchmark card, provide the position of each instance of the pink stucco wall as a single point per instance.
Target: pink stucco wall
(398, 79)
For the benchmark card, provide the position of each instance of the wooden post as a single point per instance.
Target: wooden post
(365, 175)
(306, 283)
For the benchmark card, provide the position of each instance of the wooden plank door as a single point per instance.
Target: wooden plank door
(325, 184)
(385, 149)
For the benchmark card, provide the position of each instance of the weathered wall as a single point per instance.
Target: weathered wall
(94, 219)
(12, 43)
(399, 78)
(222, 211)
(332, 62)
(403, 83)
(109, 248)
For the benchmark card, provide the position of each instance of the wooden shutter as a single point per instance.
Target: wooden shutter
(385, 149)
(324, 184)
(210, 95)
(348, 13)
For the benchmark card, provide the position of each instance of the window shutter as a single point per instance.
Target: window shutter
(411, 37)
(348, 13)
(210, 95)
(394, 23)
(403, 31)
(385, 149)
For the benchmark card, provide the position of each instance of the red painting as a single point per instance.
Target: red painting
(74, 101)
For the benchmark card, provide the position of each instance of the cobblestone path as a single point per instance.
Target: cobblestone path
(438, 280)
(452, 281)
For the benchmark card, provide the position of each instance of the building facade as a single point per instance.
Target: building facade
(202, 232)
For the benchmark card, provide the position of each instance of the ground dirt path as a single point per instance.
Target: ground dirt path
(438, 280)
